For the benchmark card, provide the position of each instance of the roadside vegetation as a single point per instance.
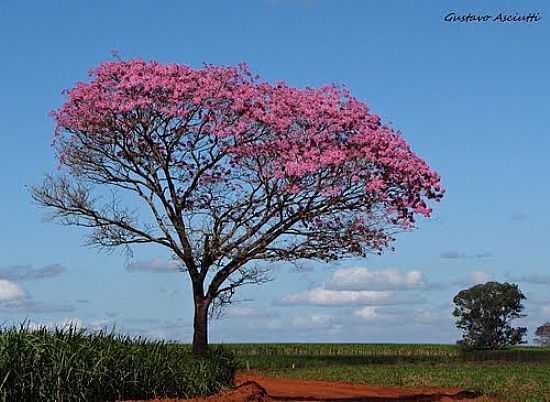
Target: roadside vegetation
(69, 365)
(520, 373)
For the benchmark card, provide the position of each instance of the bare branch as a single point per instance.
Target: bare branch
(73, 205)
(248, 276)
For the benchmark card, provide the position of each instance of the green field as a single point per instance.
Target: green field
(516, 374)
(73, 366)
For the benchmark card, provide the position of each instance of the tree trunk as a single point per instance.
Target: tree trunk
(200, 327)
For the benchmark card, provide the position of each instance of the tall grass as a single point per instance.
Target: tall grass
(70, 365)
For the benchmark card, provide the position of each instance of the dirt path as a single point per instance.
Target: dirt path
(301, 390)
(252, 387)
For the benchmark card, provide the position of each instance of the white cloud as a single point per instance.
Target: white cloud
(367, 313)
(480, 277)
(154, 265)
(329, 297)
(363, 279)
(10, 291)
(546, 310)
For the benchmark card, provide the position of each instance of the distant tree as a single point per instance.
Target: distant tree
(543, 335)
(484, 312)
(234, 172)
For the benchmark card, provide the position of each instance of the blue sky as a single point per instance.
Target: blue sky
(471, 99)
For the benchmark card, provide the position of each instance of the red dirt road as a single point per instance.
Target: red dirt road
(295, 389)
(256, 388)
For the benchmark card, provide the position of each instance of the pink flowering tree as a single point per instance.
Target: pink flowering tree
(233, 172)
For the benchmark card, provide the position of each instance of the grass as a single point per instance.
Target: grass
(512, 381)
(515, 374)
(74, 366)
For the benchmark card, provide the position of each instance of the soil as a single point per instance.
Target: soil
(252, 387)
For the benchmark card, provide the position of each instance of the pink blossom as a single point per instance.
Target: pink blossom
(304, 136)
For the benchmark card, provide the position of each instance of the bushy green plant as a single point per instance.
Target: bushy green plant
(70, 365)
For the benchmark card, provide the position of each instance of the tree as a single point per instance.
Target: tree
(543, 334)
(234, 171)
(485, 311)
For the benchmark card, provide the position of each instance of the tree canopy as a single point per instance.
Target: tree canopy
(233, 170)
(485, 311)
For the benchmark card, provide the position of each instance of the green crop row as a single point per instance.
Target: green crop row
(384, 353)
(70, 365)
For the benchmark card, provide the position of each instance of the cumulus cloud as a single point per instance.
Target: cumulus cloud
(13, 299)
(328, 297)
(368, 313)
(364, 279)
(10, 291)
(322, 296)
(457, 255)
(160, 265)
(27, 272)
